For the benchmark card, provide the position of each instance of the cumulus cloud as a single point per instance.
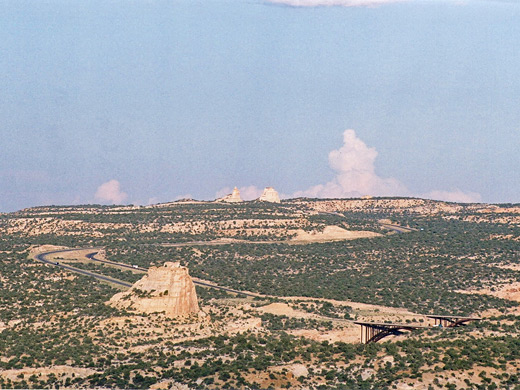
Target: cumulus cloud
(330, 3)
(250, 192)
(354, 165)
(110, 192)
(246, 193)
(355, 176)
(457, 196)
(355, 173)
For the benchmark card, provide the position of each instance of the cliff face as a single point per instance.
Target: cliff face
(234, 197)
(270, 195)
(167, 289)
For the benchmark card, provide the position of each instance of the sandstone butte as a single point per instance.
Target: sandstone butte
(270, 195)
(167, 289)
(234, 197)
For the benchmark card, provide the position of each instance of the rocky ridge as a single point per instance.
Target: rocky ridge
(269, 195)
(234, 197)
(167, 289)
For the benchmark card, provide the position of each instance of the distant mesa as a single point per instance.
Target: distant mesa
(167, 289)
(234, 197)
(270, 195)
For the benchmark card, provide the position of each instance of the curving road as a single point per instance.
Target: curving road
(217, 243)
(389, 226)
(91, 256)
(42, 258)
(398, 228)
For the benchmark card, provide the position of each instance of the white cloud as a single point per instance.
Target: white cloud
(355, 173)
(250, 192)
(457, 196)
(354, 164)
(110, 192)
(330, 3)
(355, 176)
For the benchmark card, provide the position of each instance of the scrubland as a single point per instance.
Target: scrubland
(56, 329)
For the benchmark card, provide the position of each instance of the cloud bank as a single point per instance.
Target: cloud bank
(330, 3)
(110, 192)
(355, 176)
(355, 173)
(354, 166)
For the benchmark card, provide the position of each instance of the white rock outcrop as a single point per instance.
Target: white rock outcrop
(234, 197)
(332, 233)
(167, 289)
(299, 370)
(270, 195)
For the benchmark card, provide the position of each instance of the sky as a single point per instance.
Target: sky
(147, 101)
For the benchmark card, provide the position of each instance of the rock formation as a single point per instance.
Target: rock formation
(234, 197)
(167, 289)
(269, 195)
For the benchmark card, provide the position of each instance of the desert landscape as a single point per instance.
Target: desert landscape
(258, 294)
(260, 194)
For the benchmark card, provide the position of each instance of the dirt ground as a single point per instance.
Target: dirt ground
(43, 372)
(331, 233)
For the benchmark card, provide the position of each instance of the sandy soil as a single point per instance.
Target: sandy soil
(284, 309)
(168, 384)
(349, 334)
(44, 248)
(332, 233)
(243, 325)
(344, 330)
(376, 310)
(510, 292)
(59, 371)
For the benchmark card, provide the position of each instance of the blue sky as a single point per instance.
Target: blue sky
(160, 99)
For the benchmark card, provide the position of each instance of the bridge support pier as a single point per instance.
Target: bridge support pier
(372, 332)
(451, 321)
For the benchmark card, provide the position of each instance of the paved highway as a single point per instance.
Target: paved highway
(215, 243)
(389, 226)
(398, 228)
(91, 256)
(42, 258)
(122, 265)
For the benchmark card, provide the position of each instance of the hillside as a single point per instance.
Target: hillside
(312, 267)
